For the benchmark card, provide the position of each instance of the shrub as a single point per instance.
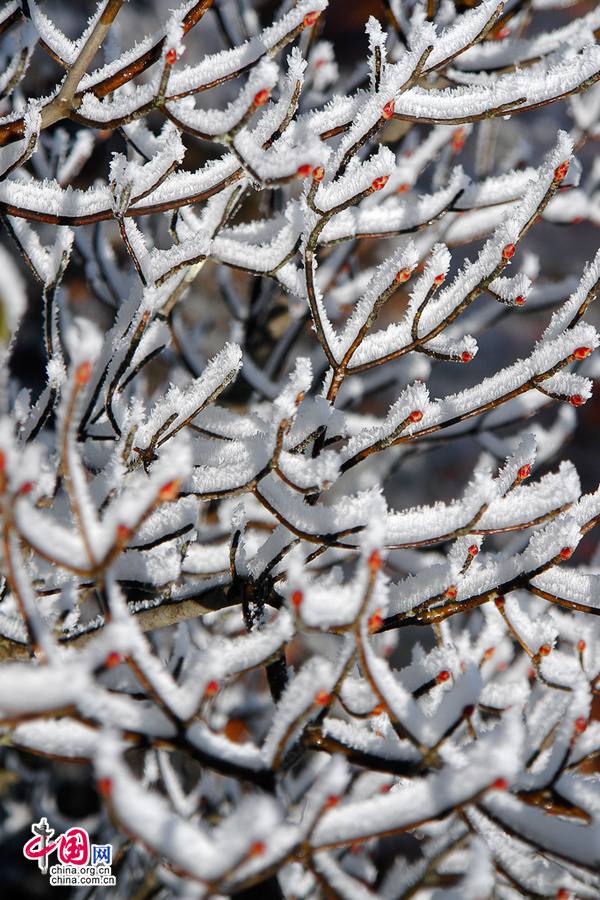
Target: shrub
(219, 591)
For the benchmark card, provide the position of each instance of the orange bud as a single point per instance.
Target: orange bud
(566, 553)
(332, 801)
(304, 171)
(451, 592)
(545, 650)
(415, 416)
(499, 601)
(171, 56)
(112, 660)
(509, 251)
(310, 18)
(123, 533)
(375, 622)
(377, 710)
(439, 279)
(524, 472)
(296, 599)
(403, 188)
(581, 645)
(83, 373)
(169, 491)
(374, 561)
(582, 352)
(211, 689)
(580, 724)
(322, 698)
(380, 183)
(261, 97)
(563, 894)
(257, 848)
(442, 676)
(487, 654)
(402, 276)
(104, 787)
(388, 110)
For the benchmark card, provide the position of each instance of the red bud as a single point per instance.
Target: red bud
(310, 18)
(465, 356)
(524, 472)
(296, 599)
(561, 171)
(388, 110)
(415, 416)
(576, 400)
(112, 660)
(509, 251)
(473, 550)
(582, 352)
(451, 592)
(402, 276)
(375, 622)
(332, 801)
(257, 848)
(123, 533)
(211, 689)
(170, 490)
(171, 56)
(545, 650)
(322, 698)
(442, 676)
(262, 97)
(500, 784)
(379, 183)
(580, 724)
(375, 562)
(520, 300)
(318, 173)
(104, 787)
(304, 171)
(581, 645)
(83, 373)
(439, 279)
(403, 188)
(566, 553)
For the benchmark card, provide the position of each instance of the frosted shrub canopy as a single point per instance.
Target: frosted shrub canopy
(293, 562)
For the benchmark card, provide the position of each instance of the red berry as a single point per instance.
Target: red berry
(473, 550)
(566, 553)
(310, 18)
(520, 300)
(581, 645)
(402, 276)
(257, 848)
(112, 660)
(318, 173)
(465, 356)
(582, 352)
(580, 724)
(171, 56)
(170, 490)
(322, 698)
(545, 650)
(403, 188)
(375, 622)
(509, 251)
(415, 416)
(380, 183)
(296, 599)
(83, 373)
(304, 171)
(524, 472)
(388, 110)
(576, 400)
(500, 784)
(375, 562)
(262, 97)
(104, 787)
(439, 279)
(332, 801)
(442, 676)
(561, 171)
(211, 689)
